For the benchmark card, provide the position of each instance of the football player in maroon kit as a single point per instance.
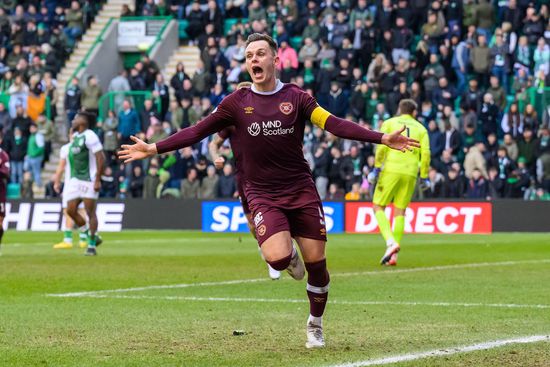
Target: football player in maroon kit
(268, 121)
(219, 161)
(4, 176)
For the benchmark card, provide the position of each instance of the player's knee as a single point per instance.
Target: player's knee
(280, 264)
(377, 207)
(71, 212)
(399, 212)
(317, 273)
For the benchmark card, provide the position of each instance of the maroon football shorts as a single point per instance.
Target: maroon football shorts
(3, 208)
(307, 221)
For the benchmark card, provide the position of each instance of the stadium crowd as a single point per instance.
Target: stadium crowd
(35, 39)
(477, 70)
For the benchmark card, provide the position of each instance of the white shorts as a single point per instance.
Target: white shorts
(77, 189)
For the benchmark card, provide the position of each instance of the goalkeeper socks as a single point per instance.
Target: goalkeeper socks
(68, 236)
(318, 280)
(384, 225)
(398, 228)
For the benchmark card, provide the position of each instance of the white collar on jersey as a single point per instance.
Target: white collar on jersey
(278, 86)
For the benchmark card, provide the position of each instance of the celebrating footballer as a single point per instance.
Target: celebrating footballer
(268, 121)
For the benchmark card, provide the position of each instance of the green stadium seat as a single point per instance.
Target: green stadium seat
(14, 191)
(296, 43)
(228, 23)
(182, 26)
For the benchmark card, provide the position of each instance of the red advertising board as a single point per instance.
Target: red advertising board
(426, 217)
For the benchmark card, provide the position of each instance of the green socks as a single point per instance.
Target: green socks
(92, 241)
(68, 236)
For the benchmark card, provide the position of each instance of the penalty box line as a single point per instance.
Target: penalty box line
(331, 301)
(447, 351)
(347, 274)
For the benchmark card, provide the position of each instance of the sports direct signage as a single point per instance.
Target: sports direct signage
(228, 216)
(426, 217)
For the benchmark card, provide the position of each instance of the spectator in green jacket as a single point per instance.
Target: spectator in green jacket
(35, 154)
(46, 128)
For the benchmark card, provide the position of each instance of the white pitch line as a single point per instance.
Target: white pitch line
(337, 302)
(447, 351)
(169, 286)
(243, 281)
(442, 267)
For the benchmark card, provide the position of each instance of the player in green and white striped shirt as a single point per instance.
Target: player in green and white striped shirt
(86, 165)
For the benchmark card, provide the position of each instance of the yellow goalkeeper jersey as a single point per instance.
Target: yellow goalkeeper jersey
(407, 163)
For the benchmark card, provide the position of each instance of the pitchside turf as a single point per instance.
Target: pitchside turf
(447, 292)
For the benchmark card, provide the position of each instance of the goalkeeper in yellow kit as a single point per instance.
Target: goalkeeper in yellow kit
(396, 173)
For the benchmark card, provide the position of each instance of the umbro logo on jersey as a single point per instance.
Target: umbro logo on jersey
(248, 110)
(286, 108)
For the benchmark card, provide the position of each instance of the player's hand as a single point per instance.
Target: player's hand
(219, 162)
(424, 184)
(137, 151)
(372, 177)
(97, 185)
(400, 142)
(57, 186)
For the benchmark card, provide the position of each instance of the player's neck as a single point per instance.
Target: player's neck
(268, 88)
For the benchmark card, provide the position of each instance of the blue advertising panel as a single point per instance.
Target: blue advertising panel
(228, 216)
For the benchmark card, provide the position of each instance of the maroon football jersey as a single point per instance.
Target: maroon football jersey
(268, 132)
(4, 174)
(267, 140)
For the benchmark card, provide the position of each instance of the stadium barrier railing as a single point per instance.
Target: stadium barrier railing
(82, 65)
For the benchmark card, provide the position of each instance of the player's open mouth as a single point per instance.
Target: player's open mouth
(257, 71)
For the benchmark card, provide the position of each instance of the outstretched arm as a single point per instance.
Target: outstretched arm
(183, 138)
(350, 130)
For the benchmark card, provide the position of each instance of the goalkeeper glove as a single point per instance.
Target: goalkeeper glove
(373, 176)
(425, 184)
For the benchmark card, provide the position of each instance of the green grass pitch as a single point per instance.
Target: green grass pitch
(447, 291)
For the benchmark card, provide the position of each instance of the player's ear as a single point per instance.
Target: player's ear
(277, 61)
